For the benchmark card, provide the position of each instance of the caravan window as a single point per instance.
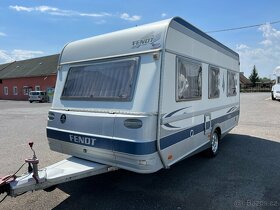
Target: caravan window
(189, 79)
(231, 83)
(112, 80)
(213, 82)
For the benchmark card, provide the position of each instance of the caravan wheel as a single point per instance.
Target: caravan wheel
(272, 96)
(213, 150)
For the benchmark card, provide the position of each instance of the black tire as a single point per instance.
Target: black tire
(272, 97)
(50, 189)
(30, 101)
(214, 145)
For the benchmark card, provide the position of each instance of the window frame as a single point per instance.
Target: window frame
(15, 90)
(236, 74)
(210, 67)
(37, 88)
(112, 99)
(177, 78)
(6, 90)
(25, 91)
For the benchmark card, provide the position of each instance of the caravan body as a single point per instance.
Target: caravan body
(144, 98)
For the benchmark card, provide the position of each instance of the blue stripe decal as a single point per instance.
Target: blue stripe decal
(172, 113)
(170, 126)
(185, 134)
(180, 136)
(225, 117)
(135, 148)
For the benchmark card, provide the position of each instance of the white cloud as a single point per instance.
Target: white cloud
(270, 34)
(266, 42)
(265, 55)
(21, 8)
(242, 47)
(126, 16)
(25, 54)
(42, 9)
(102, 14)
(18, 54)
(49, 9)
(60, 12)
(56, 11)
(4, 57)
(2, 34)
(163, 15)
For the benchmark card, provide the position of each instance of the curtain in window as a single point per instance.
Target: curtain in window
(109, 80)
(189, 79)
(214, 82)
(232, 83)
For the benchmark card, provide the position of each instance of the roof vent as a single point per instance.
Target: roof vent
(17, 67)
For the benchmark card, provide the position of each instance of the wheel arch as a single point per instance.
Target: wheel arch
(217, 127)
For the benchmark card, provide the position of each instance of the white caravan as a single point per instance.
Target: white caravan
(275, 91)
(144, 98)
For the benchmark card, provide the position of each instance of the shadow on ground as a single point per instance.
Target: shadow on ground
(245, 173)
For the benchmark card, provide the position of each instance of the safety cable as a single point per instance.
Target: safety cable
(18, 169)
(8, 177)
(4, 198)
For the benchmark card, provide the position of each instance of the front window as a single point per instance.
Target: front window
(112, 80)
(189, 79)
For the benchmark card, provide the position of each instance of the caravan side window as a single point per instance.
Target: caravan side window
(189, 79)
(213, 82)
(231, 83)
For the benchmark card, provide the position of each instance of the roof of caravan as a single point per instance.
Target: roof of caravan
(134, 40)
(277, 71)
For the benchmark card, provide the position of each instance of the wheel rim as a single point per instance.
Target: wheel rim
(215, 142)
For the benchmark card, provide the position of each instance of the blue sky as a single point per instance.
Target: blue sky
(34, 28)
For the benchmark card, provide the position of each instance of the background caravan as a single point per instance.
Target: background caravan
(142, 99)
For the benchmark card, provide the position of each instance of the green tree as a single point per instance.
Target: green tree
(265, 79)
(254, 77)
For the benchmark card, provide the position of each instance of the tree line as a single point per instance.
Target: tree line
(254, 77)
